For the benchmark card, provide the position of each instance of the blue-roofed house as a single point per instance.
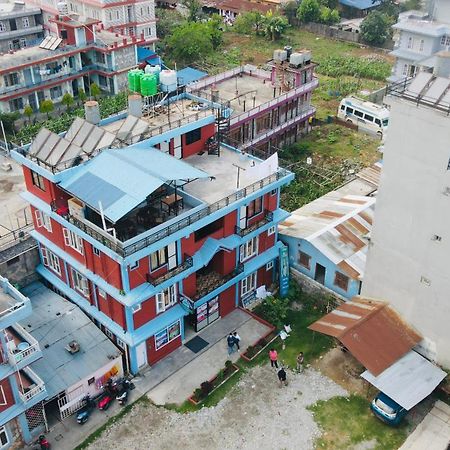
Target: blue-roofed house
(147, 224)
(328, 240)
(352, 8)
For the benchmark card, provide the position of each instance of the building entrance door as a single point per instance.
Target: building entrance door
(141, 354)
(320, 274)
(207, 313)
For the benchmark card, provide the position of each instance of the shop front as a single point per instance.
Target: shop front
(205, 314)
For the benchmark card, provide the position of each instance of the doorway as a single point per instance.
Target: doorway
(141, 354)
(319, 276)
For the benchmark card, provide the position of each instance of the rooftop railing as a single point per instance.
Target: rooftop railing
(34, 389)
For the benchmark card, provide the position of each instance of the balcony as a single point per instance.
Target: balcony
(211, 280)
(186, 264)
(21, 32)
(22, 347)
(268, 217)
(13, 305)
(30, 385)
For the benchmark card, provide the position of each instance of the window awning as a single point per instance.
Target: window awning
(119, 180)
(409, 380)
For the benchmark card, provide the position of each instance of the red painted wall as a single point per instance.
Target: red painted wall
(227, 301)
(138, 275)
(62, 276)
(145, 314)
(271, 201)
(154, 356)
(45, 195)
(9, 398)
(223, 262)
(195, 147)
(103, 265)
(189, 285)
(113, 309)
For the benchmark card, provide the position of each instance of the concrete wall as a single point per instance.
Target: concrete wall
(407, 265)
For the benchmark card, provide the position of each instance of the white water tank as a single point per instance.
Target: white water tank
(296, 59)
(306, 56)
(280, 55)
(168, 80)
(92, 112)
(135, 105)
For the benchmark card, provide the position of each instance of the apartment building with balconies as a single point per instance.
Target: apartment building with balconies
(83, 56)
(271, 107)
(21, 26)
(128, 18)
(151, 225)
(22, 391)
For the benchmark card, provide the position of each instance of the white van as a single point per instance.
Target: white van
(367, 115)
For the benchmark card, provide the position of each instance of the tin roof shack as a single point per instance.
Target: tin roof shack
(328, 240)
(77, 357)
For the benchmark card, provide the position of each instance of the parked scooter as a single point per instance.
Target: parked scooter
(86, 410)
(124, 388)
(43, 442)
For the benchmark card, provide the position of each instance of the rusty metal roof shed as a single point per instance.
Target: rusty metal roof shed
(371, 330)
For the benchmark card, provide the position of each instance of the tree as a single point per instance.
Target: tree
(215, 25)
(274, 25)
(309, 11)
(67, 100)
(190, 42)
(168, 19)
(82, 95)
(248, 22)
(28, 111)
(194, 8)
(329, 16)
(375, 28)
(290, 11)
(8, 120)
(95, 90)
(46, 107)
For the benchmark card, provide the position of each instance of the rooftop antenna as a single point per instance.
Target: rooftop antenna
(239, 168)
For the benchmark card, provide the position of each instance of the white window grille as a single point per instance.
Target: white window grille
(43, 220)
(166, 299)
(50, 260)
(73, 240)
(249, 249)
(248, 284)
(80, 283)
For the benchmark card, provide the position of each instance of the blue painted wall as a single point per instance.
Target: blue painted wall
(296, 244)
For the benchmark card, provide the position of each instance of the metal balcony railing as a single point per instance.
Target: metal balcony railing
(268, 217)
(186, 264)
(35, 389)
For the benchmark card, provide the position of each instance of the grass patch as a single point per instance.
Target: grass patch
(347, 421)
(99, 431)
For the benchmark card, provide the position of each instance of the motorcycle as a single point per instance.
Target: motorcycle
(105, 401)
(86, 410)
(43, 442)
(123, 389)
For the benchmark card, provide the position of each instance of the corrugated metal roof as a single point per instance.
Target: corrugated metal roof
(409, 380)
(338, 226)
(54, 323)
(122, 179)
(372, 331)
(360, 4)
(189, 75)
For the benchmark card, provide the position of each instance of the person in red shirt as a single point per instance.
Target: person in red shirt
(273, 356)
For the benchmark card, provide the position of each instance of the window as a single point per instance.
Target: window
(166, 298)
(117, 15)
(120, 343)
(342, 107)
(410, 42)
(142, 12)
(193, 136)
(96, 251)
(102, 81)
(378, 122)
(304, 260)
(73, 240)
(405, 69)
(158, 259)
(135, 265)
(445, 40)
(368, 118)
(23, 43)
(269, 266)
(43, 220)
(109, 334)
(358, 113)
(271, 230)
(110, 16)
(55, 92)
(11, 79)
(25, 22)
(421, 45)
(341, 281)
(136, 308)
(2, 27)
(3, 400)
(350, 110)
(248, 284)
(148, 31)
(254, 207)
(274, 192)
(16, 104)
(50, 260)
(101, 292)
(100, 57)
(91, 381)
(148, 9)
(3, 437)
(168, 334)
(80, 283)
(249, 249)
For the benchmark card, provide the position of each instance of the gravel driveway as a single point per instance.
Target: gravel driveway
(256, 414)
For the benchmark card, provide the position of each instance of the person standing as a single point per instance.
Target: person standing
(282, 376)
(300, 359)
(237, 340)
(230, 343)
(273, 356)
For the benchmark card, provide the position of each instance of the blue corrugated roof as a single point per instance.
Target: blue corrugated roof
(122, 179)
(360, 4)
(189, 75)
(144, 54)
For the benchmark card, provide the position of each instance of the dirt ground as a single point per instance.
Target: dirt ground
(257, 414)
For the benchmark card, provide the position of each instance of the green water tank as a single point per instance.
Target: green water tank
(134, 80)
(149, 85)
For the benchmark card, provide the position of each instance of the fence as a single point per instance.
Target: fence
(342, 35)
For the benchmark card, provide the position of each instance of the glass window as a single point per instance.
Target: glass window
(358, 113)
(342, 107)
(43, 220)
(168, 334)
(101, 293)
(254, 207)
(80, 283)
(249, 249)
(349, 110)
(421, 46)
(50, 260)
(341, 281)
(3, 437)
(158, 259)
(271, 230)
(378, 122)
(166, 299)
(304, 260)
(269, 265)
(385, 122)
(248, 284)
(23, 42)
(134, 265)
(2, 27)
(193, 136)
(38, 180)
(368, 117)
(73, 240)
(25, 22)
(96, 251)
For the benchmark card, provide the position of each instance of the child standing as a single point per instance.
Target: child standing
(273, 356)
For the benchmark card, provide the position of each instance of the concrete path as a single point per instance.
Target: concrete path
(171, 380)
(433, 433)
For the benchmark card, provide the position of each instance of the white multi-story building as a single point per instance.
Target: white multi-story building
(129, 17)
(419, 35)
(410, 243)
